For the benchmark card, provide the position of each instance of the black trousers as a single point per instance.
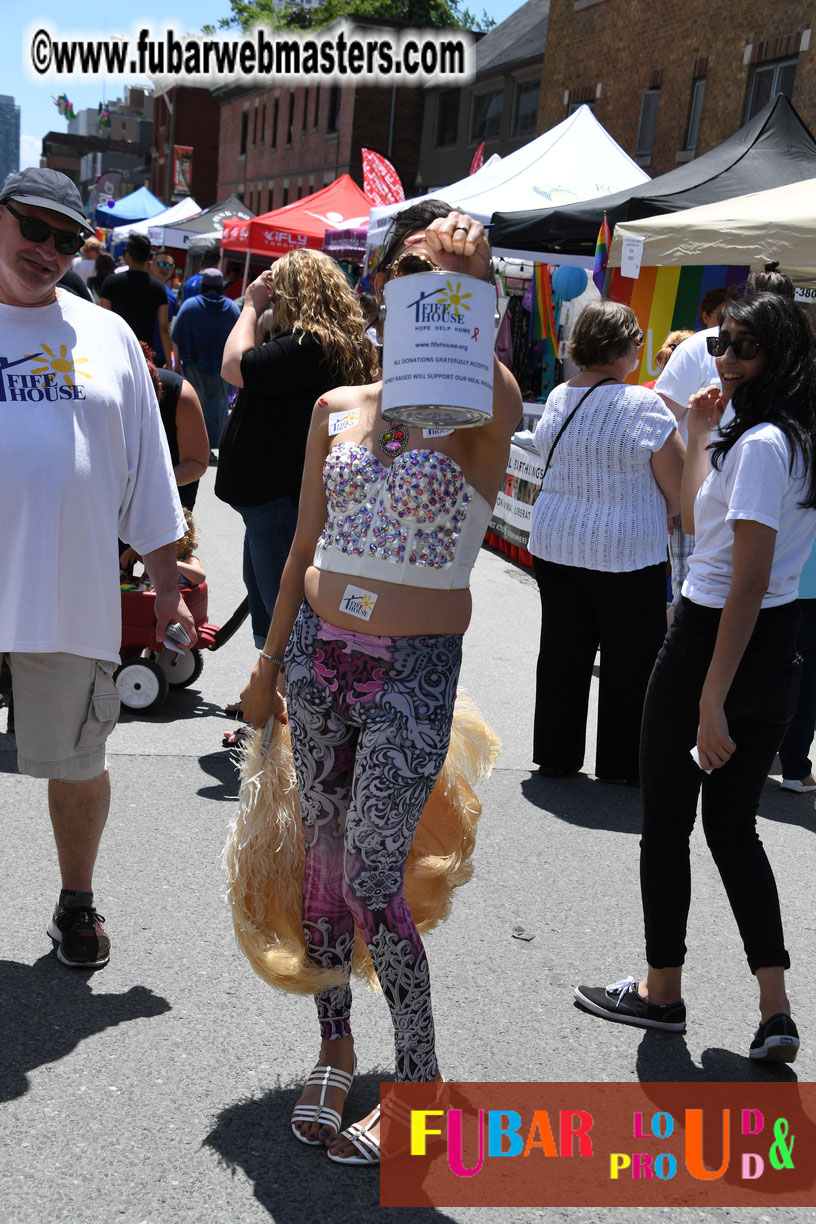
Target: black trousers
(759, 707)
(582, 609)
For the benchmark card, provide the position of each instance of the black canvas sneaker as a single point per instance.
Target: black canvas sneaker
(776, 1039)
(621, 1002)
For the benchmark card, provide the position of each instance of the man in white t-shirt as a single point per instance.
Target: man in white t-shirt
(689, 368)
(84, 460)
(85, 262)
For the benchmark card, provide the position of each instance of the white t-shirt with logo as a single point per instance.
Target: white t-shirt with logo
(754, 483)
(84, 458)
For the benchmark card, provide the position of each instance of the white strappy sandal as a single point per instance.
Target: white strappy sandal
(326, 1077)
(359, 1137)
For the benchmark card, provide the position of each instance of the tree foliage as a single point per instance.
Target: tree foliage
(438, 14)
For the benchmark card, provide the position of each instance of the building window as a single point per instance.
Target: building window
(526, 108)
(285, 197)
(334, 109)
(487, 109)
(768, 80)
(695, 111)
(447, 117)
(255, 126)
(574, 106)
(305, 109)
(291, 118)
(316, 107)
(274, 137)
(263, 123)
(244, 132)
(269, 201)
(648, 122)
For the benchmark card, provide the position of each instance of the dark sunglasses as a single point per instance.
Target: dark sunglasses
(34, 230)
(408, 264)
(741, 346)
(164, 263)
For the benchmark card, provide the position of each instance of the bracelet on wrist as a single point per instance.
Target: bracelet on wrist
(271, 658)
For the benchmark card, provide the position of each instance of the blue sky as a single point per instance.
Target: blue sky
(38, 112)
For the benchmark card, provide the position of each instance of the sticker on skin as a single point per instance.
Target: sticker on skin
(338, 421)
(356, 602)
(436, 433)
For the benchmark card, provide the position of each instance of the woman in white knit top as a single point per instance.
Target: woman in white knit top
(598, 539)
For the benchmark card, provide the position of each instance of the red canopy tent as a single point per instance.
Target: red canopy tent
(302, 223)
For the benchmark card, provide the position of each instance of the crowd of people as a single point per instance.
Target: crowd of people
(358, 549)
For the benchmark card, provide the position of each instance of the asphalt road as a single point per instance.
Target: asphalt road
(158, 1091)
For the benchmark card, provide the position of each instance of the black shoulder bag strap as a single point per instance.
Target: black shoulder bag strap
(589, 390)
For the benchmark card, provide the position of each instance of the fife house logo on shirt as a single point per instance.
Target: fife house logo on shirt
(52, 377)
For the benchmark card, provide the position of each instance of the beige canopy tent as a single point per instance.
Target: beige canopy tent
(748, 230)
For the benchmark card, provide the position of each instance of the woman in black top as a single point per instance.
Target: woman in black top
(320, 344)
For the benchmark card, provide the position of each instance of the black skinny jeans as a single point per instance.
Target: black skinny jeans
(582, 609)
(760, 704)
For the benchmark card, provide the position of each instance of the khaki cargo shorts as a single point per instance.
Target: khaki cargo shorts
(65, 707)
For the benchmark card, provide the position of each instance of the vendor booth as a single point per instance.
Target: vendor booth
(179, 234)
(774, 148)
(303, 223)
(575, 160)
(137, 206)
(181, 211)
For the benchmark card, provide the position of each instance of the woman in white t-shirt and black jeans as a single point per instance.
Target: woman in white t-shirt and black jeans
(725, 683)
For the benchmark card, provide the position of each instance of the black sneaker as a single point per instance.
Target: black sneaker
(80, 937)
(776, 1039)
(621, 1002)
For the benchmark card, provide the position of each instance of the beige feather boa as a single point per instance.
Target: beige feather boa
(264, 855)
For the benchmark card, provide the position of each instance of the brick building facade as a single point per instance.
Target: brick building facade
(189, 118)
(670, 81)
(279, 144)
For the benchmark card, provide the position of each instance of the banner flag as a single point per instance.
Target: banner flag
(381, 183)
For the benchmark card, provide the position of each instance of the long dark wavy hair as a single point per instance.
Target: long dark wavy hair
(784, 393)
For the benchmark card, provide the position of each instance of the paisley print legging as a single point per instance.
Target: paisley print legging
(370, 720)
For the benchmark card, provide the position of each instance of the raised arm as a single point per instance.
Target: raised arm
(242, 336)
(704, 414)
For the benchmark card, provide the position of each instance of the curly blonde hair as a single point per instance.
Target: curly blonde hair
(311, 294)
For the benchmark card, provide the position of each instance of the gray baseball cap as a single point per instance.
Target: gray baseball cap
(46, 188)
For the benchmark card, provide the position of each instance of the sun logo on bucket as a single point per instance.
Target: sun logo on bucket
(454, 297)
(62, 365)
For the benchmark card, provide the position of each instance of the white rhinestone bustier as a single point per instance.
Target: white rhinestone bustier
(417, 522)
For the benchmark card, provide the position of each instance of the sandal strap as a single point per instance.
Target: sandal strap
(316, 1113)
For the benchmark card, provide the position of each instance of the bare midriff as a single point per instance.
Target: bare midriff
(400, 611)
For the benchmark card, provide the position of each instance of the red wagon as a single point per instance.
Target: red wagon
(149, 670)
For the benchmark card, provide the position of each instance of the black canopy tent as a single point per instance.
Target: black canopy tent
(773, 149)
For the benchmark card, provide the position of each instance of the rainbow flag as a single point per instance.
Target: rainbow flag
(665, 299)
(542, 315)
(601, 255)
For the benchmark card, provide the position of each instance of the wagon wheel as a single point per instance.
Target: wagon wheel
(142, 685)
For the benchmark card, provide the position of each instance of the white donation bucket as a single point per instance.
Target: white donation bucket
(438, 350)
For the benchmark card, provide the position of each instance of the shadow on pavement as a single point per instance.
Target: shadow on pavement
(47, 1009)
(221, 766)
(585, 802)
(180, 703)
(665, 1057)
(296, 1183)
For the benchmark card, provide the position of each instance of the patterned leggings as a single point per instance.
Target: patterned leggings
(370, 720)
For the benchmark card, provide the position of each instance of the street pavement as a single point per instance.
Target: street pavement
(158, 1091)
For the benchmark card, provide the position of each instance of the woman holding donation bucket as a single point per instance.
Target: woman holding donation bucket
(725, 683)
(373, 604)
(598, 538)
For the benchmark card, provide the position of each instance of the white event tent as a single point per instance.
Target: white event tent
(575, 160)
(182, 211)
(747, 230)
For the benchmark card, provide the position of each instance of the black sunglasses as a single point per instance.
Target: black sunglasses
(741, 346)
(33, 229)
